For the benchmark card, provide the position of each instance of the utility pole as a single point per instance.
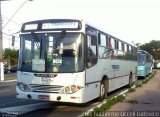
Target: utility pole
(1, 37)
(15, 13)
(1, 47)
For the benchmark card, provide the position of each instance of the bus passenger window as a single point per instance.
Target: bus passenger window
(113, 55)
(91, 50)
(91, 47)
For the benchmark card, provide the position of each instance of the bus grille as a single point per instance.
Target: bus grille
(45, 88)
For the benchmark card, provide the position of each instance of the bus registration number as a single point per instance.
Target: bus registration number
(46, 97)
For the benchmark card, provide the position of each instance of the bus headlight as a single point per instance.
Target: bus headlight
(23, 87)
(70, 89)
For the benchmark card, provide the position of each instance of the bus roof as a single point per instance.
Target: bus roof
(51, 24)
(60, 24)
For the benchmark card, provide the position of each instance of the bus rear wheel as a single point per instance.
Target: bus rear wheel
(130, 81)
(103, 90)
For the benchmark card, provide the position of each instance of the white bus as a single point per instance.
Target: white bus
(68, 60)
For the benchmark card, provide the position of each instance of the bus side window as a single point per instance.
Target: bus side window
(91, 51)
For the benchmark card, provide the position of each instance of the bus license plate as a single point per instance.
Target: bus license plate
(46, 97)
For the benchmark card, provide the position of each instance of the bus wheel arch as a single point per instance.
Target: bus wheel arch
(103, 88)
(130, 79)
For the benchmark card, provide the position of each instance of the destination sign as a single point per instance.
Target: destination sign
(60, 25)
(51, 25)
(31, 27)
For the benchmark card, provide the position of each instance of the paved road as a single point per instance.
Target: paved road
(8, 99)
(41, 108)
(8, 95)
(10, 75)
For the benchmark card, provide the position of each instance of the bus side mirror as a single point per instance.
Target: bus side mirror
(94, 40)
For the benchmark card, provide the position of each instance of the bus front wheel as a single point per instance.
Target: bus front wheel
(103, 90)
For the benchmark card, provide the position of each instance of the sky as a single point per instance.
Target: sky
(134, 21)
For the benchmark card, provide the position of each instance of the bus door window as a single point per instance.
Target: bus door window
(27, 56)
(91, 50)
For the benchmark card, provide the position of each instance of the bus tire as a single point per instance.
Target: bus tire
(151, 70)
(130, 81)
(103, 90)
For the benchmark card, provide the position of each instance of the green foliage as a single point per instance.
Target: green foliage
(131, 90)
(97, 111)
(153, 48)
(145, 81)
(138, 85)
(11, 56)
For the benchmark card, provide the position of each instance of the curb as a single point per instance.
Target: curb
(8, 81)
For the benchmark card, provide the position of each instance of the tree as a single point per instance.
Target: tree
(11, 56)
(153, 48)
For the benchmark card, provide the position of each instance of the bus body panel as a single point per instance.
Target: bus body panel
(61, 80)
(117, 78)
(64, 79)
(72, 98)
(122, 74)
(144, 70)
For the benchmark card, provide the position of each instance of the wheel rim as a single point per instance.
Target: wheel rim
(102, 90)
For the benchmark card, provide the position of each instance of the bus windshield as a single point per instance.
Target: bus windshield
(141, 59)
(51, 52)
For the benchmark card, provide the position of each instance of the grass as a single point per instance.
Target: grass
(107, 105)
(138, 85)
(130, 90)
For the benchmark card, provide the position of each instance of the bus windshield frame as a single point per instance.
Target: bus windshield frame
(141, 59)
(56, 52)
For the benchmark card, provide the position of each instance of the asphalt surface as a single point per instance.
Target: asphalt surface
(49, 109)
(9, 76)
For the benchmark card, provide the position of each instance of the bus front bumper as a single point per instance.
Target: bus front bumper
(76, 97)
(142, 74)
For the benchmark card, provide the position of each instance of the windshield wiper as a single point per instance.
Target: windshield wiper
(60, 38)
(36, 40)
